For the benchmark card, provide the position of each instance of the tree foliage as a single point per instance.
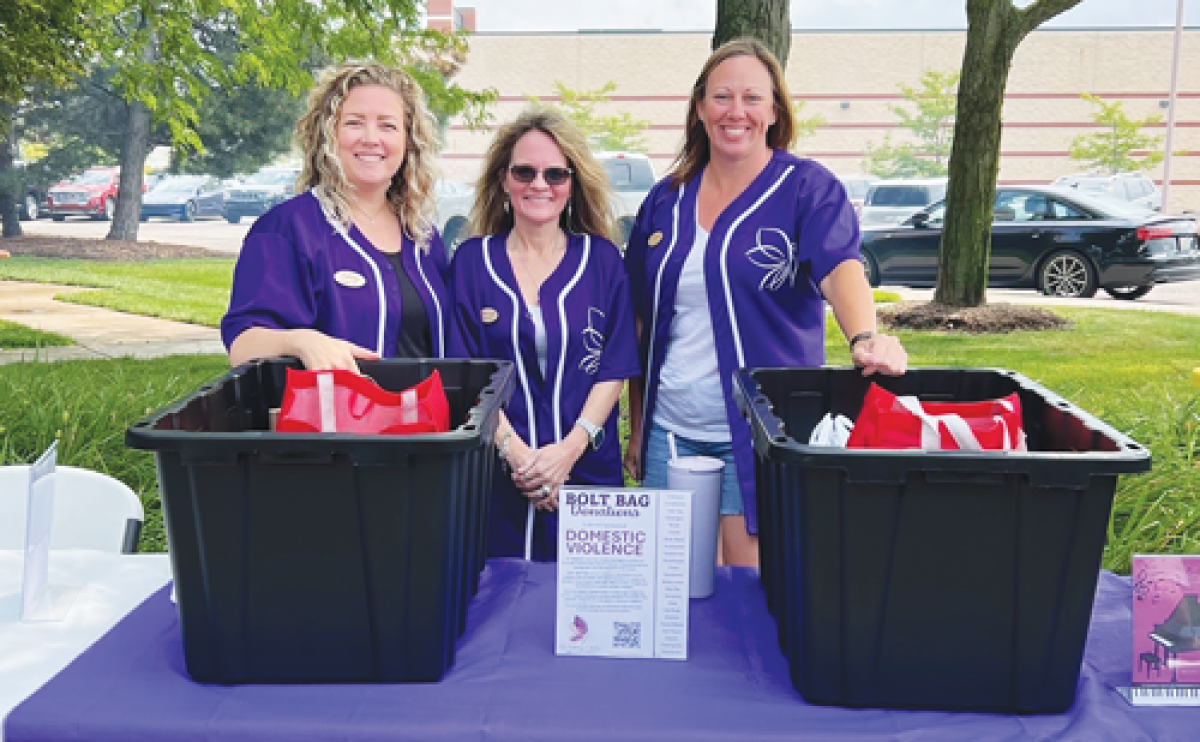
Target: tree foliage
(240, 129)
(765, 20)
(171, 56)
(931, 124)
(994, 30)
(42, 40)
(619, 132)
(1112, 149)
(805, 127)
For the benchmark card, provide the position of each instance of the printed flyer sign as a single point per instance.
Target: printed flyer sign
(623, 572)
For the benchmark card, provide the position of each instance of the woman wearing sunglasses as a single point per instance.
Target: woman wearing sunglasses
(731, 261)
(352, 268)
(545, 287)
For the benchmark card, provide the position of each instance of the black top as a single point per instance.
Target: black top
(414, 340)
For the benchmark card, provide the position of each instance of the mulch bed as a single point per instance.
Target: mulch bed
(989, 318)
(94, 249)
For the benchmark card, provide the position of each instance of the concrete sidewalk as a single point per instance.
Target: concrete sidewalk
(98, 333)
(102, 333)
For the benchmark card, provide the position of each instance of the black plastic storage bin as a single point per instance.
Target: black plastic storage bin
(325, 557)
(931, 579)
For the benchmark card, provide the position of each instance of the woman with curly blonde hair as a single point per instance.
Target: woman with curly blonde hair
(352, 268)
(544, 287)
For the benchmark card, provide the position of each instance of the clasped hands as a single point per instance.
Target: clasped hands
(539, 473)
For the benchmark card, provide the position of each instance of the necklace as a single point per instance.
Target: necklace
(370, 218)
(524, 266)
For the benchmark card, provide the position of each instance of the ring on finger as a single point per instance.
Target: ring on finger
(545, 490)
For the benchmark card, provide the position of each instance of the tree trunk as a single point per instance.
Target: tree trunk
(134, 150)
(10, 191)
(133, 161)
(766, 20)
(994, 30)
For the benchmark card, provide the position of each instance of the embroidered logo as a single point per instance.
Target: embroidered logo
(775, 253)
(654, 239)
(489, 315)
(593, 342)
(350, 279)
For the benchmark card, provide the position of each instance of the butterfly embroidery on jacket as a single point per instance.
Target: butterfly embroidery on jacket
(775, 253)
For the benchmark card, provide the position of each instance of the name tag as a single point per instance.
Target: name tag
(350, 279)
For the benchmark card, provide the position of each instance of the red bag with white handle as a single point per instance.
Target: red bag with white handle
(889, 421)
(345, 402)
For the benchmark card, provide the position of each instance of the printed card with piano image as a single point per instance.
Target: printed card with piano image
(1166, 630)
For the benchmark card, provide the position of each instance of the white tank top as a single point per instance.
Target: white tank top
(690, 400)
(539, 335)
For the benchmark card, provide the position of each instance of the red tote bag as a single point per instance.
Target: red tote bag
(889, 421)
(345, 402)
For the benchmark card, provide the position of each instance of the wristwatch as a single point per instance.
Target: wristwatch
(595, 432)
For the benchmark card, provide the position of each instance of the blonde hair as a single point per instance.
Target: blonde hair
(695, 153)
(411, 193)
(590, 209)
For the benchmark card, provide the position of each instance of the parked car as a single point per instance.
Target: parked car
(1060, 241)
(631, 176)
(91, 193)
(857, 185)
(184, 197)
(893, 201)
(454, 202)
(32, 204)
(261, 191)
(1136, 188)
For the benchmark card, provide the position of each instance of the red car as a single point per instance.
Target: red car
(91, 193)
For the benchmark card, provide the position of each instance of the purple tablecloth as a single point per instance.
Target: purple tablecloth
(507, 684)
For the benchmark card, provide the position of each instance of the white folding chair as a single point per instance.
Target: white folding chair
(91, 510)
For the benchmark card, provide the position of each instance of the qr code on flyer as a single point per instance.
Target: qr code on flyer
(627, 635)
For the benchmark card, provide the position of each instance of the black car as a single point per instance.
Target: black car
(1057, 240)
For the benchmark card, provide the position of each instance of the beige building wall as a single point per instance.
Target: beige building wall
(851, 80)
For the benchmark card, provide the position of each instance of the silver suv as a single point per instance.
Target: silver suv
(893, 201)
(632, 177)
(1136, 188)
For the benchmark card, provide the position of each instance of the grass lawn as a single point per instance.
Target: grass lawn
(1130, 368)
(14, 336)
(1103, 364)
(195, 291)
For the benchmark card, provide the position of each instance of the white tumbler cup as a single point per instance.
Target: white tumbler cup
(702, 476)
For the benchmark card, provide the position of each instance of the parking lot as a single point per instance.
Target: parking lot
(215, 234)
(218, 234)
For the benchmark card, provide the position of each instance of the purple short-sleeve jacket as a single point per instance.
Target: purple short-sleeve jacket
(590, 338)
(767, 253)
(299, 269)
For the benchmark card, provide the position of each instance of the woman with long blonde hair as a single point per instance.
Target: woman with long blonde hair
(544, 287)
(352, 268)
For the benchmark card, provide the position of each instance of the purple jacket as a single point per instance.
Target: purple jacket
(298, 269)
(767, 253)
(590, 338)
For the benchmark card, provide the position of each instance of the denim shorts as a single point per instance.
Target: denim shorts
(658, 452)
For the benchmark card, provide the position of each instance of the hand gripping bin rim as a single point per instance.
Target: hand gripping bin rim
(858, 545)
(324, 557)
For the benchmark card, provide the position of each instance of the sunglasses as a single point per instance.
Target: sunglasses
(554, 176)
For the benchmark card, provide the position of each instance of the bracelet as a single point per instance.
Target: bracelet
(503, 448)
(864, 335)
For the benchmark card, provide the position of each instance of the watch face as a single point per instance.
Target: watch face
(598, 439)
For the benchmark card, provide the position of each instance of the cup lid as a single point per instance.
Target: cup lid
(697, 464)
